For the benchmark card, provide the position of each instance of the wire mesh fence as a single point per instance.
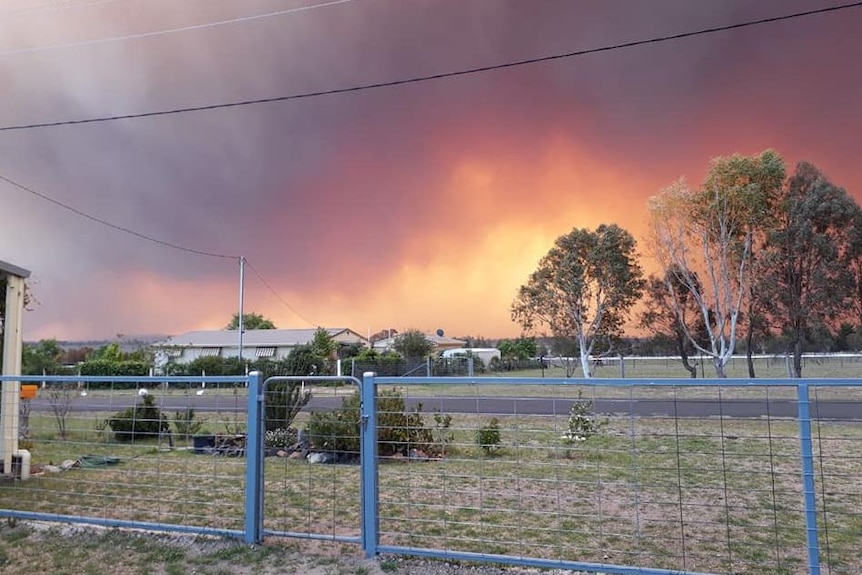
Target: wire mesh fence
(124, 451)
(704, 479)
(615, 476)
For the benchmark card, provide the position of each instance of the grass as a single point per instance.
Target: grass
(719, 495)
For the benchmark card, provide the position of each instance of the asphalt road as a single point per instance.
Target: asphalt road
(690, 408)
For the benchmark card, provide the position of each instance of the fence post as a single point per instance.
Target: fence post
(808, 487)
(254, 460)
(368, 460)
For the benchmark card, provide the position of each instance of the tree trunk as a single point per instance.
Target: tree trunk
(585, 364)
(797, 358)
(683, 354)
(748, 340)
(720, 367)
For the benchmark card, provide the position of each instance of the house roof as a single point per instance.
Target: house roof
(256, 337)
(7, 269)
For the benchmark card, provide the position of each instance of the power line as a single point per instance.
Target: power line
(278, 296)
(171, 30)
(417, 79)
(115, 226)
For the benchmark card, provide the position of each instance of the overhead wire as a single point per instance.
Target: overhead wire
(155, 240)
(431, 77)
(278, 296)
(171, 30)
(113, 226)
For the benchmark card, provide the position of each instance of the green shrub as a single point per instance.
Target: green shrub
(185, 423)
(144, 421)
(488, 436)
(284, 400)
(398, 430)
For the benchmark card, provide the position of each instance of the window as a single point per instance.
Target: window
(265, 352)
(174, 352)
(210, 351)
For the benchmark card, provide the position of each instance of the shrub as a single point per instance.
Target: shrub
(583, 422)
(281, 438)
(284, 400)
(185, 423)
(144, 421)
(488, 436)
(398, 430)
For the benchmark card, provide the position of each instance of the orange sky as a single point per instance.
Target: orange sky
(421, 206)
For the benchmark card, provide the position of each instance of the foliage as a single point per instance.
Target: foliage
(488, 436)
(45, 357)
(805, 277)
(186, 425)
(109, 353)
(583, 288)
(413, 344)
(144, 421)
(398, 429)
(210, 365)
(711, 235)
(521, 349)
(284, 400)
(670, 319)
(443, 435)
(107, 368)
(583, 422)
(250, 321)
(280, 438)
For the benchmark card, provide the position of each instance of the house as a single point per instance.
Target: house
(272, 344)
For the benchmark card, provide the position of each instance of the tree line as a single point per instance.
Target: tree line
(750, 256)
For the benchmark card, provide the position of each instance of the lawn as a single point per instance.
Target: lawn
(721, 495)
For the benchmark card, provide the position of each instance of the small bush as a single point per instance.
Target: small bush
(144, 421)
(186, 425)
(280, 438)
(488, 436)
(398, 430)
(583, 422)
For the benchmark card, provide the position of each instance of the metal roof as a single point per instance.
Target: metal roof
(253, 337)
(7, 269)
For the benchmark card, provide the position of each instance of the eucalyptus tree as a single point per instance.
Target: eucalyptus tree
(704, 240)
(672, 320)
(583, 288)
(806, 271)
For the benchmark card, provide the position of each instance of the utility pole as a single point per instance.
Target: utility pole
(239, 325)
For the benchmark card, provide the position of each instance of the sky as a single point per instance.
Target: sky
(418, 206)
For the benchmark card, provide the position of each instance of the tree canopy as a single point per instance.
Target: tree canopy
(704, 240)
(413, 344)
(250, 321)
(583, 288)
(805, 278)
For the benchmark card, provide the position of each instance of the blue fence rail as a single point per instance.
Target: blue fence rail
(628, 476)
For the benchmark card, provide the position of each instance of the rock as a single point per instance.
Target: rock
(322, 458)
(51, 469)
(281, 453)
(69, 464)
(295, 455)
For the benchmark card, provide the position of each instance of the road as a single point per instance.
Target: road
(690, 408)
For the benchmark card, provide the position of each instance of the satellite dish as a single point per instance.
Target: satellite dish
(439, 333)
